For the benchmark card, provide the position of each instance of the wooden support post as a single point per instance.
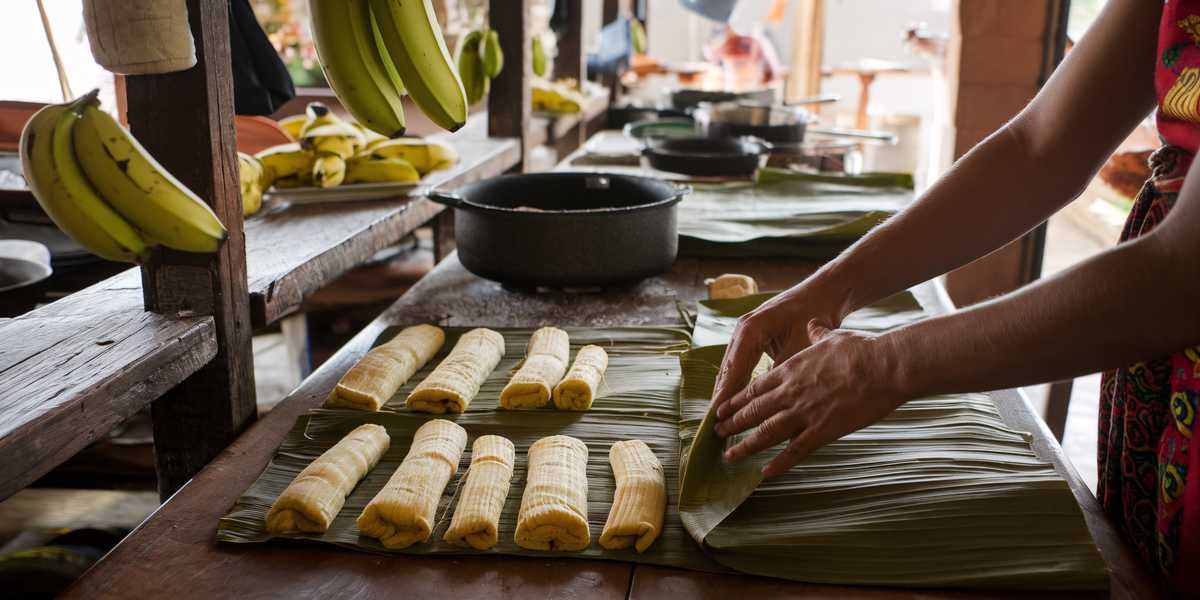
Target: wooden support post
(186, 121)
(808, 33)
(986, 93)
(509, 100)
(614, 9)
(571, 62)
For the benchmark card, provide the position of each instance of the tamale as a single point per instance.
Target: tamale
(482, 495)
(553, 513)
(375, 378)
(455, 382)
(636, 516)
(577, 390)
(544, 365)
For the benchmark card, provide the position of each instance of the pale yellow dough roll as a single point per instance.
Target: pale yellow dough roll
(455, 382)
(375, 378)
(313, 499)
(481, 497)
(731, 285)
(553, 512)
(402, 513)
(636, 516)
(544, 365)
(577, 390)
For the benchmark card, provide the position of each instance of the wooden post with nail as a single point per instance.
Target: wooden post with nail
(509, 100)
(186, 120)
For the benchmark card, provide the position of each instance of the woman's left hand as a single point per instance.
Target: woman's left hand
(842, 383)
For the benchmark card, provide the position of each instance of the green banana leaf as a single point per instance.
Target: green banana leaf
(638, 400)
(939, 494)
(787, 214)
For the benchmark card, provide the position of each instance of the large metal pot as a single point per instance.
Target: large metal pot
(565, 230)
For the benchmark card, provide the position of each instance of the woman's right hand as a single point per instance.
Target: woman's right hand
(779, 328)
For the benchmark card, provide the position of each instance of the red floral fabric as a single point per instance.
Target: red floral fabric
(1148, 410)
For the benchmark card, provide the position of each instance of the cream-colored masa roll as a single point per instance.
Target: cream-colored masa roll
(545, 363)
(636, 516)
(731, 285)
(313, 499)
(577, 390)
(403, 512)
(455, 382)
(481, 497)
(375, 378)
(553, 512)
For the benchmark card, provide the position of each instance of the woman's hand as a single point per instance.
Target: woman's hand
(843, 382)
(778, 329)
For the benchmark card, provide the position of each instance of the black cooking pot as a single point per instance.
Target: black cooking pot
(565, 230)
(705, 156)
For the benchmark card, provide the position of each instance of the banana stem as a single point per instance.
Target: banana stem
(62, 72)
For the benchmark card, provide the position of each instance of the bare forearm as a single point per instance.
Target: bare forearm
(974, 209)
(1132, 303)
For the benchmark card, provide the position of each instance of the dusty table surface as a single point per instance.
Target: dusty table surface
(174, 553)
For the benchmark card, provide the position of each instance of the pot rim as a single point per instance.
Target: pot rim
(678, 192)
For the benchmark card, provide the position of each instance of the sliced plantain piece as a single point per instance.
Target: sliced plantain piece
(553, 513)
(373, 380)
(402, 513)
(313, 499)
(577, 390)
(636, 516)
(545, 363)
(731, 285)
(481, 498)
(455, 382)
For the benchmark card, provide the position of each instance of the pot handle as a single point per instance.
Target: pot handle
(450, 199)
(682, 190)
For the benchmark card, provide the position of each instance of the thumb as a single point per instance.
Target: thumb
(817, 331)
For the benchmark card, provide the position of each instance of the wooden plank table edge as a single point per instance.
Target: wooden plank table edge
(44, 437)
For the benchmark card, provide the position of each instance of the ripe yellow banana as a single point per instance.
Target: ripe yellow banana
(344, 36)
(493, 56)
(425, 155)
(64, 192)
(328, 170)
(293, 124)
(471, 70)
(555, 97)
(326, 133)
(285, 160)
(413, 40)
(140, 189)
(372, 169)
(251, 176)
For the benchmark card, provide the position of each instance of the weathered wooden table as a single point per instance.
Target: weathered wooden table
(174, 553)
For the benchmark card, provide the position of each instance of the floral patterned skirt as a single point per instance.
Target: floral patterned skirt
(1147, 418)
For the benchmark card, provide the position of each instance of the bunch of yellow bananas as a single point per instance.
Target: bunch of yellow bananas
(375, 51)
(102, 188)
(332, 151)
(562, 96)
(480, 60)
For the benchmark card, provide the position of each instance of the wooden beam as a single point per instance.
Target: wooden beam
(509, 100)
(185, 119)
(808, 33)
(571, 60)
(614, 9)
(986, 93)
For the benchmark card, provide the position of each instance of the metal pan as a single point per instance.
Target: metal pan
(776, 124)
(565, 230)
(707, 157)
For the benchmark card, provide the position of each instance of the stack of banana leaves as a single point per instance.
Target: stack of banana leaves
(785, 213)
(941, 494)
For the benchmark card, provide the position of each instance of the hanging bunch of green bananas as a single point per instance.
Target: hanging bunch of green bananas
(102, 188)
(538, 56)
(375, 51)
(637, 36)
(480, 60)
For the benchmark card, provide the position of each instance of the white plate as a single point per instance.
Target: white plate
(344, 193)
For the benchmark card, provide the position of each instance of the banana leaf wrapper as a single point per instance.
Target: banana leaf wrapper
(638, 399)
(942, 493)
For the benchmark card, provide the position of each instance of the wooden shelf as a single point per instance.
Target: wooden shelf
(294, 252)
(180, 534)
(548, 129)
(75, 368)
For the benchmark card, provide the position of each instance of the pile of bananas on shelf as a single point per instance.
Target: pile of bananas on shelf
(480, 60)
(104, 190)
(333, 151)
(374, 51)
(561, 96)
